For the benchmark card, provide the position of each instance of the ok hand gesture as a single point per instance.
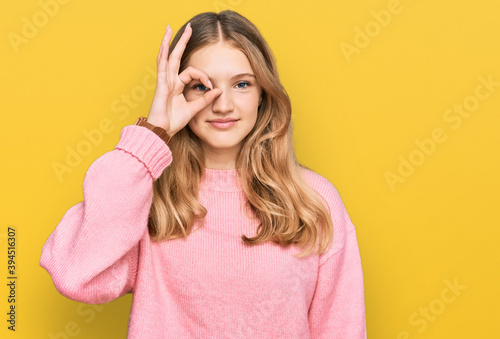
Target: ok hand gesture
(169, 109)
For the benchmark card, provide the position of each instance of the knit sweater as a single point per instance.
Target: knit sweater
(210, 284)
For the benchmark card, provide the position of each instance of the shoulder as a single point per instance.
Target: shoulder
(316, 180)
(323, 187)
(342, 224)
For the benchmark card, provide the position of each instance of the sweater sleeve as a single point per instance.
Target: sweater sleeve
(338, 308)
(92, 255)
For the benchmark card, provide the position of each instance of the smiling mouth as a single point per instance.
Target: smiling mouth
(223, 124)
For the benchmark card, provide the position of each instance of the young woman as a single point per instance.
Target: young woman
(203, 212)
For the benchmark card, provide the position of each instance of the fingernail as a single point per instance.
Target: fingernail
(168, 26)
(210, 83)
(188, 25)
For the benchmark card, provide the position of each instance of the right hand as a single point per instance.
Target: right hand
(169, 109)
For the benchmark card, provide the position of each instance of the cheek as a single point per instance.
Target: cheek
(247, 102)
(192, 124)
(196, 123)
(255, 100)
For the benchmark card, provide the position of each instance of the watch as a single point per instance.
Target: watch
(162, 133)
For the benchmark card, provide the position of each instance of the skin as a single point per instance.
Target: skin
(240, 99)
(191, 98)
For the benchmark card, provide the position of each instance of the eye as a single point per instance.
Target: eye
(203, 89)
(243, 83)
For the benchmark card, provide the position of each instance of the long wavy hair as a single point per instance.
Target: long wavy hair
(289, 211)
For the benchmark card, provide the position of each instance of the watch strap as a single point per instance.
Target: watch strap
(161, 132)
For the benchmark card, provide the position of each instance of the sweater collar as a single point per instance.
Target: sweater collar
(227, 180)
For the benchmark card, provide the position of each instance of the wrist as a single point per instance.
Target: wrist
(163, 133)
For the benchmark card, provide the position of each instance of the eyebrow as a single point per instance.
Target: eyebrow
(238, 76)
(241, 75)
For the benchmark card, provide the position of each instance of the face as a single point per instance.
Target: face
(240, 98)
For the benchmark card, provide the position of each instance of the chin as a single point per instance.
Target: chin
(222, 144)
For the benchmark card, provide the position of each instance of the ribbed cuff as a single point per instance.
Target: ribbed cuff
(147, 147)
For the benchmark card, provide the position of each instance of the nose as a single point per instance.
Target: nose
(223, 103)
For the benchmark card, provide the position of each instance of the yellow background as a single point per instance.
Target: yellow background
(356, 117)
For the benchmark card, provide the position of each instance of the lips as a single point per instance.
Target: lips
(223, 120)
(222, 123)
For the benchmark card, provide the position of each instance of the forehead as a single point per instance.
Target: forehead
(220, 60)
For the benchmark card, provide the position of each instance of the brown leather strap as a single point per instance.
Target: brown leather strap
(162, 133)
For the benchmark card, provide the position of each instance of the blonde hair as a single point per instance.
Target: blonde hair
(289, 211)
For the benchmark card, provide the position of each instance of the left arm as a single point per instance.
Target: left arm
(338, 307)
(337, 310)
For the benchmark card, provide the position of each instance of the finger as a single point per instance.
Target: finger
(166, 38)
(161, 47)
(162, 55)
(190, 74)
(198, 104)
(175, 56)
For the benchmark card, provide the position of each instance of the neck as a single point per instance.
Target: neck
(220, 159)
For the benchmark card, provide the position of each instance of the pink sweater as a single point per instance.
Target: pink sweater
(210, 285)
